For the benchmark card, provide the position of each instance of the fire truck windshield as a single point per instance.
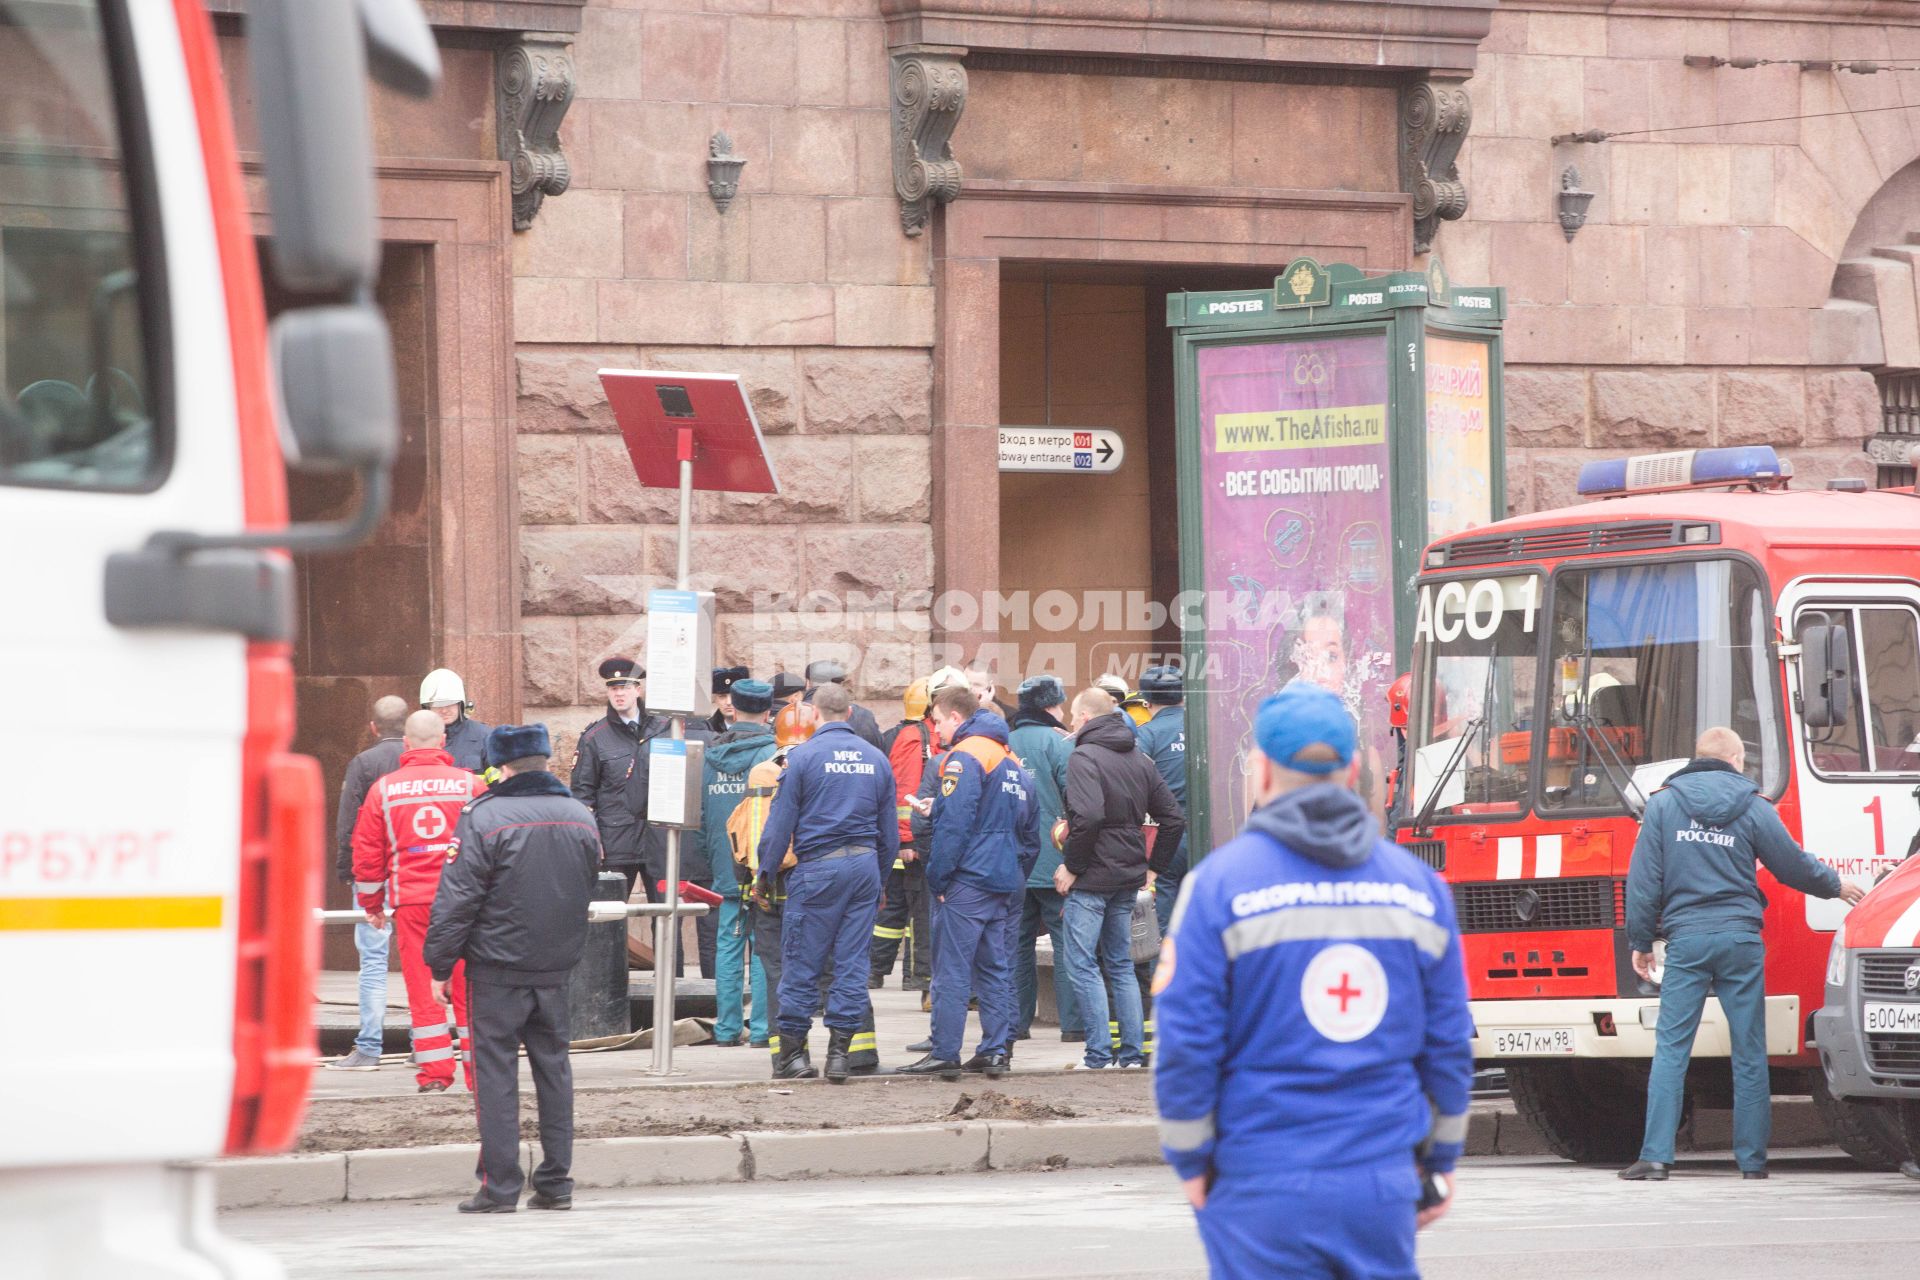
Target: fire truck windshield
(1641, 659)
(1479, 657)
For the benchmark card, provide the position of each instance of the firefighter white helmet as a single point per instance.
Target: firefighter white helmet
(442, 687)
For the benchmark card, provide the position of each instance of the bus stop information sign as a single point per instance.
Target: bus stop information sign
(683, 431)
(1329, 428)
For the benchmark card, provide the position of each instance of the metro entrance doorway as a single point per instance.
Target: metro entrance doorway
(1089, 541)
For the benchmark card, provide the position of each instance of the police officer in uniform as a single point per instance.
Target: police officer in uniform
(1164, 738)
(1314, 1054)
(513, 904)
(605, 759)
(724, 678)
(836, 808)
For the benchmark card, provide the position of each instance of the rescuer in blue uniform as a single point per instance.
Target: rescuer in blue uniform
(1314, 1054)
(1164, 738)
(836, 807)
(986, 837)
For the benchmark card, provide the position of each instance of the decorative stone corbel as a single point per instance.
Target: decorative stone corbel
(929, 92)
(533, 83)
(1434, 118)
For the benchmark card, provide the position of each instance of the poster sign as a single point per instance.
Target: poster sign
(1459, 436)
(674, 782)
(1296, 515)
(680, 652)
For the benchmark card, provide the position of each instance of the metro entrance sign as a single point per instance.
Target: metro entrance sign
(1088, 450)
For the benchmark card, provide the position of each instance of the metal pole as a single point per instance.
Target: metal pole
(666, 930)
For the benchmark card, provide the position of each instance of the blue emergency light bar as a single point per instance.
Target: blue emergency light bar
(1754, 464)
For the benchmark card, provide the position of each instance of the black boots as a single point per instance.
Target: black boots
(792, 1062)
(839, 1046)
(932, 1066)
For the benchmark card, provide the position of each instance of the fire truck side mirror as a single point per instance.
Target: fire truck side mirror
(1826, 676)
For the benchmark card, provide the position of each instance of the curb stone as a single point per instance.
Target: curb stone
(776, 1155)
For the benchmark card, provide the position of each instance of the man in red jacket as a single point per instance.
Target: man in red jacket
(404, 834)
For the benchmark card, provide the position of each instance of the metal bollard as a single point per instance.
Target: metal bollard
(597, 989)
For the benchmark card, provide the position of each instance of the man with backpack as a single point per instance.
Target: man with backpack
(836, 810)
(730, 758)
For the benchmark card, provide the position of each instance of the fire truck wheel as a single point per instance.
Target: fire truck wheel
(1868, 1131)
(1588, 1112)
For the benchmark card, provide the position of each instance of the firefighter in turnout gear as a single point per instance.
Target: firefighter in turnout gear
(835, 810)
(444, 693)
(401, 841)
(903, 908)
(1315, 1048)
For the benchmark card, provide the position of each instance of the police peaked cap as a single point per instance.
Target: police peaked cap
(518, 741)
(786, 685)
(826, 671)
(623, 670)
(752, 696)
(724, 678)
(1162, 684)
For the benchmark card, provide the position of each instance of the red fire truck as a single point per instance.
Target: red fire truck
(159, 844)
(1565, 662)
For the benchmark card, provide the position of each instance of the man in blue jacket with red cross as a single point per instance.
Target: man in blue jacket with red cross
(1314, 1054)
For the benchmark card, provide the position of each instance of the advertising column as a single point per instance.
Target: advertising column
(1296, 563)
(1459, 436)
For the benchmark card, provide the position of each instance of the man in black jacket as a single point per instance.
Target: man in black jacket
(1112, 787)
(365, 769)
(611, 752)
(513, 904)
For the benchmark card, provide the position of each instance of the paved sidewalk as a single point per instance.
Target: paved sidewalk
(897, 1018)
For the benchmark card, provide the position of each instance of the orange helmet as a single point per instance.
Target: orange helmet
(795, 724)
(914, 705)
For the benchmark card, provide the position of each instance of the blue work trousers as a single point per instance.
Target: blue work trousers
(372, 944)
(975, 957)
(1099, 929)
(734, 955)
(1341, 1224)
(827, 929)
(1734, 964)
(1040, 913)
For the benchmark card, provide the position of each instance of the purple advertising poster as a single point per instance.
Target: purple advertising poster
(1296, 532)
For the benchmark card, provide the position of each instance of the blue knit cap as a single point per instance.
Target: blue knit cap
(1303, 715)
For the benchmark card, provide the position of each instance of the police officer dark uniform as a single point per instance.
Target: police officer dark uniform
(835, 807)
(986, 836)
(1314, 1054)
(512, 903)
(724, 678)
(1164, 738)
(605, 760)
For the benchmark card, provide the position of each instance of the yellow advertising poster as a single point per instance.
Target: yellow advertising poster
(1459, 440)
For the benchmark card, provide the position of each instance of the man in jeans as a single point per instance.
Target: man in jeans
(1692, 881)
(1112, 787)
(365, 769)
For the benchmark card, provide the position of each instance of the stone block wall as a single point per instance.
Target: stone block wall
(806, 287)
(1699, 304)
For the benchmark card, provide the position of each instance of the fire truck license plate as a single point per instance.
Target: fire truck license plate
(1900, 1018)
(1532, 1042)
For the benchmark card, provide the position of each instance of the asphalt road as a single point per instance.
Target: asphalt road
(1524, 1219)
